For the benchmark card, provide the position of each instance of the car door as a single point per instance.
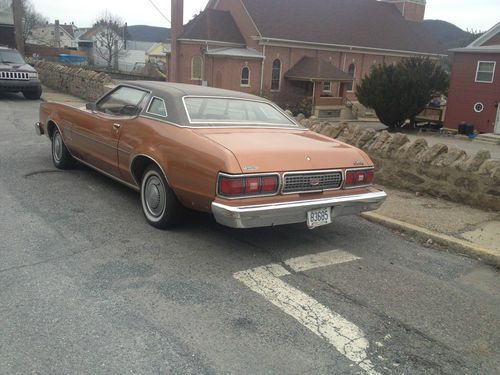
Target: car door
(96, 134)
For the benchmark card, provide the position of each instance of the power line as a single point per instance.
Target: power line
(159, 11)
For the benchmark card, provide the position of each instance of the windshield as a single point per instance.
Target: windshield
(12, 57)
(230, 111)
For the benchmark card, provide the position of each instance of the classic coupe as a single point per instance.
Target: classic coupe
(233, 154)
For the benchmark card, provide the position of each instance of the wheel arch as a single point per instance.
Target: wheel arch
(140, 163)
(51, 127)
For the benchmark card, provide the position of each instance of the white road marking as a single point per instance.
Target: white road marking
(345, 336)
(328, 258)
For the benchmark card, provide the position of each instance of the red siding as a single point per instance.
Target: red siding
(464, 92)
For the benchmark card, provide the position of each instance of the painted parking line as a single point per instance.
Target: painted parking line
(344, 335)
(328, 258)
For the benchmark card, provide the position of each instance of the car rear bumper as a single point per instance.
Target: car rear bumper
(12, 85)
(294, 212)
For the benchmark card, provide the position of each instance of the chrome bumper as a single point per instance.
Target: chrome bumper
(293, 212)
(38, 128)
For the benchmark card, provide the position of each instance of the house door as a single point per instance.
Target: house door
(497, 122)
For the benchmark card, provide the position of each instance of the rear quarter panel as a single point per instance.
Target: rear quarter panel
(190, 161)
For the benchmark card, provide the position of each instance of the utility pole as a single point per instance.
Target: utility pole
(18, 12)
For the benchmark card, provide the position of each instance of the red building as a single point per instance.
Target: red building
(288, 50)
(474, 94)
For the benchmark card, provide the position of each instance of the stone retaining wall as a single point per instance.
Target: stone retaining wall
(438, 170)
(73, 80)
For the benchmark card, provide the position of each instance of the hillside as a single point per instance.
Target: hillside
(145, 33)
(447, 34)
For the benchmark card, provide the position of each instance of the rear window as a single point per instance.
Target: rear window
(228, 111)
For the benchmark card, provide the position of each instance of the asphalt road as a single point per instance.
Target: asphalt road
(87, 287)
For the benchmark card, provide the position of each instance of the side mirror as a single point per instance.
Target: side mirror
(91, 106)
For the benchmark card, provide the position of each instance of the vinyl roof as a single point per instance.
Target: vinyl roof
(182, 89)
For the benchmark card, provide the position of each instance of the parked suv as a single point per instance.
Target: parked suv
(18, 76)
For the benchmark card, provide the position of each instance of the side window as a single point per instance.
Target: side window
(197, 68)
(122, 102)
(245, 77)
(351, 71)
(485, 72)
(276, 75)
(157, 107)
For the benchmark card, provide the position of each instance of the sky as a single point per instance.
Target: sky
(466, 14)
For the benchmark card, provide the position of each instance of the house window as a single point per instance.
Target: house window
(245, 76)
(196, 68)
(327, 87)
(351, 71)
(485, 72)
(276, 75)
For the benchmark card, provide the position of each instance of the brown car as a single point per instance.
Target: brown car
(235, 155)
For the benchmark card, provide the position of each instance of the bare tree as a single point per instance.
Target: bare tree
(109, 38)
(31, 19)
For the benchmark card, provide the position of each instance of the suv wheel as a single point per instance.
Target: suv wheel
(33, 94)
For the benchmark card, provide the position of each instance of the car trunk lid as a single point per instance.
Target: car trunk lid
(280, 150)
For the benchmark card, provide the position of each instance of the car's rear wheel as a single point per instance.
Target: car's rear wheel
(60, 155)
(159, 203)
(33, 94)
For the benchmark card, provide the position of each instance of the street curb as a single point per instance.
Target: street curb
(455, 244)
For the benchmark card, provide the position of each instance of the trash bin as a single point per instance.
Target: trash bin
(465, 128)
(462, 128)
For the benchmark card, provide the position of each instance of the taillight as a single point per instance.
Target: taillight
(232, 186)
(253, 185)
(246, 186)
(269, 184)
(358, 177)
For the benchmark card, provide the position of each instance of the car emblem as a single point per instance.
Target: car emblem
(314, 181)
(359, 162)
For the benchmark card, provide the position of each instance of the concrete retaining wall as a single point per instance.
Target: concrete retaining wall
(73, 80)
(438, 170)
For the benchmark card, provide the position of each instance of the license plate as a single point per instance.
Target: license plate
(319, 217)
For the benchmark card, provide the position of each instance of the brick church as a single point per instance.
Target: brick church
(288, 50)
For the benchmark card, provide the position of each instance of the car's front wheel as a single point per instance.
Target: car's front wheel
(60, 155)
(159, 203)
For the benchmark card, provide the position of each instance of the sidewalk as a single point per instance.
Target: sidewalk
(457, 227)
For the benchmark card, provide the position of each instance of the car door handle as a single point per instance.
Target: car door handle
(116, 126)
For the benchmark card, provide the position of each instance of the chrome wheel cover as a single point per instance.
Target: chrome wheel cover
(57, 147)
